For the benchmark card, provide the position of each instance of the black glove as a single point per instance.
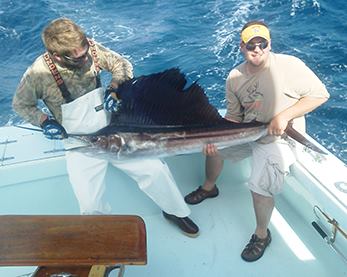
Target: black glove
(111, 102)
(53, 130)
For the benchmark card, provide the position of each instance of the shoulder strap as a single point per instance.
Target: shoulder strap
(57, 77)
(96, 61)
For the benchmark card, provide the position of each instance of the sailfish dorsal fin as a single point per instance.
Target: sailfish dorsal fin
(162, 99)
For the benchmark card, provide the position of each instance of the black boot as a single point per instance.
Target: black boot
(187, 226)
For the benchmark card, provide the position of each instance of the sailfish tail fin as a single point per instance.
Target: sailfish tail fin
(291, 132)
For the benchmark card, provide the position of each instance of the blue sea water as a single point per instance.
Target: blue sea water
(200, 37)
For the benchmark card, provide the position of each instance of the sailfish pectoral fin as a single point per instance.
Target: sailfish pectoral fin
(291, 132)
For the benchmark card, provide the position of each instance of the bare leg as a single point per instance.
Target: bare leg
(213, 167)
(263, 207)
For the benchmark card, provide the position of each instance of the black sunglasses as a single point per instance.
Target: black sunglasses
(262, 45)
(76, 60)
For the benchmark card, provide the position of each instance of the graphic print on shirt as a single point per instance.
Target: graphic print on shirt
(253, 102)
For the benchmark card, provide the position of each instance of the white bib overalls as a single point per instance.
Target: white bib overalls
(87, 174)
(86, 114)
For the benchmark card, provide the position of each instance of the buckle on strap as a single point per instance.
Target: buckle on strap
(94, 55)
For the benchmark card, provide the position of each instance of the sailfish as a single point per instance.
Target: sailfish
(160, 116)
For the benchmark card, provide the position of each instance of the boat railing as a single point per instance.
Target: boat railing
(335, 229)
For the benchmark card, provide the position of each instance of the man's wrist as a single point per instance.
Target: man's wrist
(113, 85)
(43, 118)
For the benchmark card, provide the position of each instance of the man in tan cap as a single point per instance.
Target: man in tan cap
(270, 88)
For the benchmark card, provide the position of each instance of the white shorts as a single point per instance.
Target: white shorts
(270, 163)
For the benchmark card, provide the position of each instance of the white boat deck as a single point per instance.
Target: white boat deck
(40, 186)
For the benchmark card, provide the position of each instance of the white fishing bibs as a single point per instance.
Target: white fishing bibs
(86, 114)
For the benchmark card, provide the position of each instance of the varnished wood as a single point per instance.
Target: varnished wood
(70, 240)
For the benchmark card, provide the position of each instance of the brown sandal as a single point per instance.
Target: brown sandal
(200, 195)
(255, 249)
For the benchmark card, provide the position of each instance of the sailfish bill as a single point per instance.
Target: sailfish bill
(294, 134)
(160, 117)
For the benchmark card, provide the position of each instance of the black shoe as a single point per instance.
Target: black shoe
(200, 195)
(186, 225)
(255, 249)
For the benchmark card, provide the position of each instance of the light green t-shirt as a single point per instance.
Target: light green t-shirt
(280, 84)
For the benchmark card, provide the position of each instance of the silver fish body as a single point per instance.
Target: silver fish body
(129, 145)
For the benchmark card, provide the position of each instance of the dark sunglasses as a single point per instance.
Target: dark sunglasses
(262, 45)
(76, 60)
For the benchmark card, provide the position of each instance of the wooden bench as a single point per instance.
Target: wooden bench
(83, 246)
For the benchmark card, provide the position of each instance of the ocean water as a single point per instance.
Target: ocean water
(200, 37)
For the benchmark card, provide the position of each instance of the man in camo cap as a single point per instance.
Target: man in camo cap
(66, 78)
